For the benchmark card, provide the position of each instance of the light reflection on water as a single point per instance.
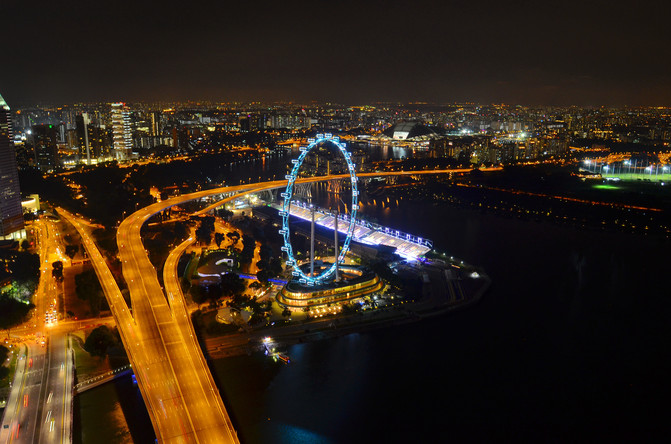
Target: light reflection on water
(112, 413)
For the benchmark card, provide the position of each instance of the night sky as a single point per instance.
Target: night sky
(526, 52)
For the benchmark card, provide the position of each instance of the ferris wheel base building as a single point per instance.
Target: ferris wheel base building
(357, 282)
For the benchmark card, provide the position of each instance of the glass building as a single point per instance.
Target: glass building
(11, 214)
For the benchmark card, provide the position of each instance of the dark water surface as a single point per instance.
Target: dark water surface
(570, 343)
(113, 413)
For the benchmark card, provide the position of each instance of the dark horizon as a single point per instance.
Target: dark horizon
(601, 54)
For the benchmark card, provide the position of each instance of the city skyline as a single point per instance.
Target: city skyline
(353, 221)
(595, 54)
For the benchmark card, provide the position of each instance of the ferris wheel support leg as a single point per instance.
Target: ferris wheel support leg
(312, 242)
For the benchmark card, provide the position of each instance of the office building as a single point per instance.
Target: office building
(11, 214)
(45, 143)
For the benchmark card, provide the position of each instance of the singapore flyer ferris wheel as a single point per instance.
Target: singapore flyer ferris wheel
(292, 178)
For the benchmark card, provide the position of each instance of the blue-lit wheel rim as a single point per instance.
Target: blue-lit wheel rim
(285, 213)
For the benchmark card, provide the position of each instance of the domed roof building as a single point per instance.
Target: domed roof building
(409, 131)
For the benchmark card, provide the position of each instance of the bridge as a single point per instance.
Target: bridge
(182, 399)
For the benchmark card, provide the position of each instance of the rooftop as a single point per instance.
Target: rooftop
(3, 104)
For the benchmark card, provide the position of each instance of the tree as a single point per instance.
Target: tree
(23, 266)
(99, 341)
(197, 294)
(71, 251)
(248, 246)
(204, 231)
(88, 289)
(224, 213)
(265, 253)
(275, 268)
(234, 236)
(4, 353)
(57, 270)
(14, 312)
(286, 312)
(218, 239)
(255, 285)
(184, 284)
(181, 231)
(262, 275)
(268, 268)
(25, 245)
(106, 240)
(232, 285)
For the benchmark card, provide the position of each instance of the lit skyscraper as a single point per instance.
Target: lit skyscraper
(11, 215)
(45, 141)
(156, 127)
(121, 133)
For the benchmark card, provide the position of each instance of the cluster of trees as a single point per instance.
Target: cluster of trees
(111, 192)
(108, 194)
(4, 353)
(269, 266)
(57, 270)
(223, 213)
(50, 188)
(248, 247)
(259, 309)
(14, 312)
(23, 268)
(232, 236)
(211, 326)
(219, 238)
(231, 285)
(106, 240)
(72, 250)
(101, 340)
(159, 239)
(205, 230)
(88, 289)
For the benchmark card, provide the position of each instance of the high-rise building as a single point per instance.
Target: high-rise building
(156, 124)
(11, 214)
(96, 136)
(84, 146)
(45, 143)
(121, 133)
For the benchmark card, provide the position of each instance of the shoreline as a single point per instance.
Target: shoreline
(317, 330)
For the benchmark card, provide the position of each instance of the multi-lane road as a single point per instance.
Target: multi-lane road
(185, 406)
(40, 404)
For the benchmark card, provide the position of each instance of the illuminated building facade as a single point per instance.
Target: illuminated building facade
(45, 143)
(11, 214)
(92, 135)
(356, 283)
(156, 124)
(121, 133)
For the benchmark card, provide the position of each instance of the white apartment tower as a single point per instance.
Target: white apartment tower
(121, 133)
